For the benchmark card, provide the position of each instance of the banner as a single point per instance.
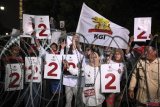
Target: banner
(14, 77)
(142, 29)
(52, 68)
(33, 69)
(110, 78)
(101, 31)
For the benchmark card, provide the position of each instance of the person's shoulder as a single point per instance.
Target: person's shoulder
(141, 63)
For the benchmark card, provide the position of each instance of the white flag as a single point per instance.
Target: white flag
(100, 31)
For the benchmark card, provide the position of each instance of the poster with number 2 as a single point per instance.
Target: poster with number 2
(14, 77)
(52, 68)
(110, 78)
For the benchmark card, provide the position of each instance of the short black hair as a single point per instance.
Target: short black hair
(54, 44)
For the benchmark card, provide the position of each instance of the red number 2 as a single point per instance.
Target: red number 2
(13, 83)
(50, 73)
(140, 36)
(108, 85)
(72, 64)
(29, 76)
(42, 32)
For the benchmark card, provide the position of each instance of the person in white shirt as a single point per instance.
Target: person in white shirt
(72, 78)
(91, 92)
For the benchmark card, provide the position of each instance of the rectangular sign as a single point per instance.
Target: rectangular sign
(142, 29)
(110, 78)
(53, 68)
(42, 27)
(14, 77)
(33, 69)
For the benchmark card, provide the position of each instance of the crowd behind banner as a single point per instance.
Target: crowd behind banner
(79, 75)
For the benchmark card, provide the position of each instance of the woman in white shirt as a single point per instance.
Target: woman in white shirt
(91, 92)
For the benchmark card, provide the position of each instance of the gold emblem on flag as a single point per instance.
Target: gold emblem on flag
(102, 25)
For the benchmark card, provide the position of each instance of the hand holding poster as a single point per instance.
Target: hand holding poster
(72, 63)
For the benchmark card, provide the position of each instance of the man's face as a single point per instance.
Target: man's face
(150, 53)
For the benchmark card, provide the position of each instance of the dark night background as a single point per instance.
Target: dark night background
(121, 12)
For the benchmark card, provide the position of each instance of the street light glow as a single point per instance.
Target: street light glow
(2, 8)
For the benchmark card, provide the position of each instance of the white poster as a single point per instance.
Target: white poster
(110, 78)
(53, 68)
(69, 41)
(28, 25)
(42, 27)
(14, 77)
(72, 61)
(142, 29)
(33, 69)
(70, 76)
(55, 36)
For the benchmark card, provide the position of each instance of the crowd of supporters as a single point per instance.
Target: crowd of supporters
(139, 78)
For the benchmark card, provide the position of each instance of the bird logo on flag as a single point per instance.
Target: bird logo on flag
(102, 25)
